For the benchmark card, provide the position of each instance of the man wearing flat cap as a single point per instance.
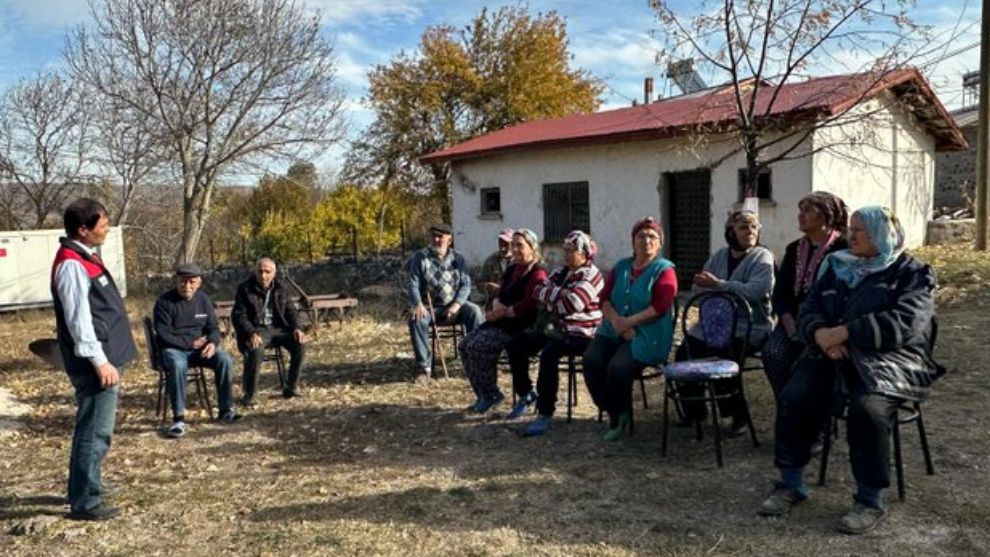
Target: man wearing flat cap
(438, 274)
(188, 334)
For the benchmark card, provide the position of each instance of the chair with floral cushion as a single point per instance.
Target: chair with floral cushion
(717, 312)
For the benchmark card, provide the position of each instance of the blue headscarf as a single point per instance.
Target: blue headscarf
(887, 235)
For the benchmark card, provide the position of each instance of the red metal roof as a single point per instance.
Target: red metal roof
(713, 110)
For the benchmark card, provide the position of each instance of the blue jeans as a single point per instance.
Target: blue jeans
(177, 362)
(470, 315)
(96, 412)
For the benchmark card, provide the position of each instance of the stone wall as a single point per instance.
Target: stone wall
(950, 231)
(334, 275)
(955, 173)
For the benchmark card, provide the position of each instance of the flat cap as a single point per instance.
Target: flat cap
(442, 228)
(188, 270)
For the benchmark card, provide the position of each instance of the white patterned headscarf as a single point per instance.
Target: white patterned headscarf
(580, 241)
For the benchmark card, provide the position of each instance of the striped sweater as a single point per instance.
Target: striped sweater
(574, 299)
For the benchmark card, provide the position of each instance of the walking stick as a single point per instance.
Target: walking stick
(436, 333)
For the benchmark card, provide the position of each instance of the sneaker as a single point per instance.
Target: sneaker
(97, 514)
(178, 429)
(523, 403)
(538, 426)
(781, 500)
(229, 417)
(487, 403)
(248, 402)
(860, 519)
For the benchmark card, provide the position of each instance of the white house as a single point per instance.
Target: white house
(601, 172)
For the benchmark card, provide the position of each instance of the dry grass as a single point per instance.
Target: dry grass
(369, 463)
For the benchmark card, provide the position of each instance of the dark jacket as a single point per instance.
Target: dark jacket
(784, 299)
(248, 311)
(889, 316)
(179, 322)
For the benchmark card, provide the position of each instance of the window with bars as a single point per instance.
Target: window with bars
(565, 208)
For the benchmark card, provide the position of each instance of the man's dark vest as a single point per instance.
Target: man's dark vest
(106, 308)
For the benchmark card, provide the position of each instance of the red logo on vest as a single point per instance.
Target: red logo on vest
(3, 252)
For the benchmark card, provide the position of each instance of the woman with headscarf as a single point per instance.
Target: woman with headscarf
(512, 311)
(638, 329)
(823, 219)
(867, 323)
(569, 302)
(746, 268)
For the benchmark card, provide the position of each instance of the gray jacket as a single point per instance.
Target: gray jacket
(753, 280)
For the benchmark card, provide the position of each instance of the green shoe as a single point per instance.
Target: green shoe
(620, 428)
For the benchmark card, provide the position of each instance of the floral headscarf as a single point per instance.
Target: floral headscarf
(887, 235)
(580, 241)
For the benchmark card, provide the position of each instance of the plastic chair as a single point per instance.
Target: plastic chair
(717, 316)
(196, 375)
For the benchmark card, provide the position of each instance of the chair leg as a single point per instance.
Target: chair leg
(710, 386)
(162, 399)
(929, 467)
(642, 389)
(749, 417)
(206, 394)
(666, 418)
(830, 426)
(898, 462)
(571, 388)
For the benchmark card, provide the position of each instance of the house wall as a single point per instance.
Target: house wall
(955, 174)
(623, 185)
(880, 155)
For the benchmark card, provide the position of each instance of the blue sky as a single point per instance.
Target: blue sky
(609, 38)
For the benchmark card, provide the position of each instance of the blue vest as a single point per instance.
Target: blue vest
(653, 340)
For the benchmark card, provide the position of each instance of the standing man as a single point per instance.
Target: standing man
(186, 326)
(440, 272)
(263, 315)
(94, 337)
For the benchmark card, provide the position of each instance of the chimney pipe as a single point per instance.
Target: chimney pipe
(648, 90)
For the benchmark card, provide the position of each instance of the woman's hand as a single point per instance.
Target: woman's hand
(838, 352)
(789, 325)
(628, 334)
(621, 325)
(704, 279)
(829, 337)
(497, 312)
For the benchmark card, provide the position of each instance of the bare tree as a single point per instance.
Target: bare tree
(758, 46)
(126, 152)
(217, 82)
(43, 143)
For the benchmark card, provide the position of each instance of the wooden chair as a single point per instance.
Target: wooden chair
(195, 375)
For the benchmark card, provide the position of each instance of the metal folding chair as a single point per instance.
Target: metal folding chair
(196, 375)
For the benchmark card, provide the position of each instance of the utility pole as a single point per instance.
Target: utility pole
(982, 151)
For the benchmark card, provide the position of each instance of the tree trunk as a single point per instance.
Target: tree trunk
(382, 211)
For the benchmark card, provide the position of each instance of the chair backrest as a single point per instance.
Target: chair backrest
(718, 313)
(151, 342)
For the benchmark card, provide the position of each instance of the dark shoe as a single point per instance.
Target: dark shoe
(738, 427)
(487, 403)
(621, 427)
(539, 426)
(860, 519)
(248, 402)
(229, 417)
(818, 448)
(289, 393)
(522, 405)
(97, 513)
(781, 500)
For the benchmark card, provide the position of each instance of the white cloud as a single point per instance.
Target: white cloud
(359, 12)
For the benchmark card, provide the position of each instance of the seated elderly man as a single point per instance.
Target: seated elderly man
(490, 274)
(438, 277)
(188, 334)
(263, 315)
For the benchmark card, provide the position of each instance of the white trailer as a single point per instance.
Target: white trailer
(26, 262)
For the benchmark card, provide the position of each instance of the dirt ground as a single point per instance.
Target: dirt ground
(370, 463)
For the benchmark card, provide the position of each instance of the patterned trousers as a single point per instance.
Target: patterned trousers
(479, 356)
